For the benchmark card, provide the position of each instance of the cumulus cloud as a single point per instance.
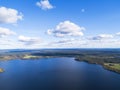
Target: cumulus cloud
(102, 37)
(66, 28)
(29, 40)
(6, 32)
(8, 15)
(44, 4)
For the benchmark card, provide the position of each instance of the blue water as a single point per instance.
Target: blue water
(56, 74)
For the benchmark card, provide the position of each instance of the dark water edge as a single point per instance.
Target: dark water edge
(104, 66)
(56, 74)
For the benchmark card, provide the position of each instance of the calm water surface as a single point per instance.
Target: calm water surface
(56, 74)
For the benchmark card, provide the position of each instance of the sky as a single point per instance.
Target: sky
(36, 24)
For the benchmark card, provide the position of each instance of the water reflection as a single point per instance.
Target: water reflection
(56, 74)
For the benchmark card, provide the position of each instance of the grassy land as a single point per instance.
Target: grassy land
(113, 67)
(30, 57)
(110, 62)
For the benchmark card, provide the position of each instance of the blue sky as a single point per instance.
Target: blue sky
(59, 24)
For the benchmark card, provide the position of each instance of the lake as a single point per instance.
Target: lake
(56, 74)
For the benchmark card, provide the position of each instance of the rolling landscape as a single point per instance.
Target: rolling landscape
(59, 44)
(108, 58)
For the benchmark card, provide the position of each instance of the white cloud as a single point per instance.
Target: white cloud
(67, 43)
(104, 43)
(49, 31)
(29, 40)
(8, 43)
(66, 28)
(44, 4)
(118, 34)
(64, 41)
(102, 37)
(82, 10)
(6, 32)
(8, 15)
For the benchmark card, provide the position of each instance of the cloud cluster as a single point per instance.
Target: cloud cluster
(8, 15)
(67, 43)
(29, 40)
(66, 28)
(99, 41)
(102, 37)
(6, 32)
(44, 4)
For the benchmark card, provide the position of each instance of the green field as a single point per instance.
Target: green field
(30, 57)
(113, 65)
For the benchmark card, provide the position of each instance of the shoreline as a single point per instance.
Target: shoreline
(107, 67)
(111, 69)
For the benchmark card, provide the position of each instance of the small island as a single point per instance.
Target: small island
(1, 70)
